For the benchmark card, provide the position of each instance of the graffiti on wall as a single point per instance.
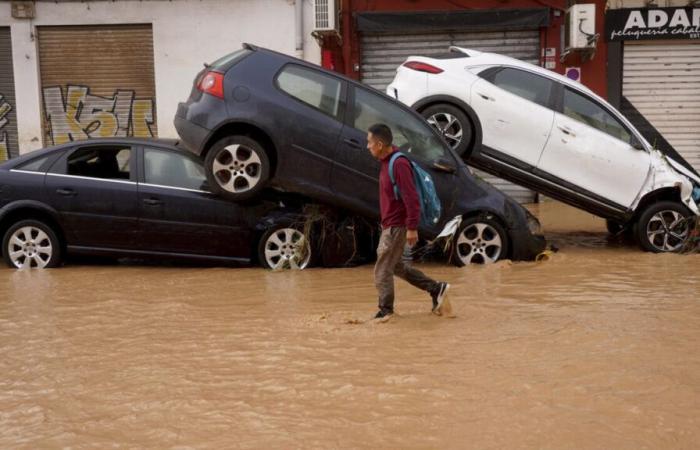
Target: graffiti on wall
(5, 109)
(81, 115)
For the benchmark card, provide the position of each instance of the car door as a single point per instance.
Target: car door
(93, 188)
(179, 215)
(593, 151)
(309, 126)
(513, 106)
(355, 177)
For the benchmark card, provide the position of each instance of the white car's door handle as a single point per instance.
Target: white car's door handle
(567, 130)
(486, 97)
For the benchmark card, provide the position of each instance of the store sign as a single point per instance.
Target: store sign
(637, 24)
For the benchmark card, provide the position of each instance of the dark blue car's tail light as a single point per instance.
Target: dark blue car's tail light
(212, 83)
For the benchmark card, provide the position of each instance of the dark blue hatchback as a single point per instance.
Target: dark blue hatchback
(259, 119)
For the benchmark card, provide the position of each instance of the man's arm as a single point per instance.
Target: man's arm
(407, 188)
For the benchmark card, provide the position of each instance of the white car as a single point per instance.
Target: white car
(553, 135)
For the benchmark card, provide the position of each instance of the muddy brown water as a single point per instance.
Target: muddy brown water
(595, 348)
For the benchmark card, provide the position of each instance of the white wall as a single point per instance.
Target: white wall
(186, 33)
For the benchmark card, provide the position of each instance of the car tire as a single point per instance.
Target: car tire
(480, 240)
(284, 246)
(664, 227)
(237, 167)
(454, 126)
(31, 244)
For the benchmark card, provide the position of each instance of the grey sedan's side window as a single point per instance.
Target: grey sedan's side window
(165, 168)
(311, 87)
(524, 84)
(411, 134)
(587, 111)
(106, 162)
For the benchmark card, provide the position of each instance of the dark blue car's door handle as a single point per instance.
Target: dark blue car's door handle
(66, 192)
(152, 202)
(352, 143)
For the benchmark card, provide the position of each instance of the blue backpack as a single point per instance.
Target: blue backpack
(430, 208)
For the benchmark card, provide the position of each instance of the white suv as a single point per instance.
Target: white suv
(553, 135)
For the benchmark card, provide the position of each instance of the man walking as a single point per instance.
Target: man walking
(400, 219)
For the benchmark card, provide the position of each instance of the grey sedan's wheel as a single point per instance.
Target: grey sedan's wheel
(284, 247)
(453, 124)
(480, 240)
(237, 167)
(664, 227)
(31, 244)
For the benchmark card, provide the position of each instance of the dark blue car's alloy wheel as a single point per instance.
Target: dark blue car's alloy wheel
(479, 243)
(237, 169)
(287, 248)
(29, 247)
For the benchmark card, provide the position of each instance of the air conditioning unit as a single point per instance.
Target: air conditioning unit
(579, 27)
(325, 15)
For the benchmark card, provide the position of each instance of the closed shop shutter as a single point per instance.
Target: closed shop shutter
(8, 117)
(97, 81)
(382, 54)
(661, 80)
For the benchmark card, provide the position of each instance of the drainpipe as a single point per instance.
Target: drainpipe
(299, 28)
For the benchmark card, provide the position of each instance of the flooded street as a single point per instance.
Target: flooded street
(595, 348)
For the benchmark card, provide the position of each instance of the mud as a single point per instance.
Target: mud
(594, 348)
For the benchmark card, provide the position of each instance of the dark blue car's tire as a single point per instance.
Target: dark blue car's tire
(237, 167)
(31, 244)
(480, 240)
(453, 124)
(284, 246)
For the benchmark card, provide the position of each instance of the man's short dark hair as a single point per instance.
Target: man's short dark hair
(382, 132)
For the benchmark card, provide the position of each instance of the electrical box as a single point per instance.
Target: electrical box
(325, 15)
(580, 26)
(23, 10)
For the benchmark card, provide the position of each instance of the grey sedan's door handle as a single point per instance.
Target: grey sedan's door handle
(152, 202)
(486, 97)
(66, 192)
(353, 143)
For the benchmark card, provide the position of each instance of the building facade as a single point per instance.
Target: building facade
(78, 69)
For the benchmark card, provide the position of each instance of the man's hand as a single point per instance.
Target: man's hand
(411, 237)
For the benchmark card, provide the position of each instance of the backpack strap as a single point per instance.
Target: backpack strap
(391, 172)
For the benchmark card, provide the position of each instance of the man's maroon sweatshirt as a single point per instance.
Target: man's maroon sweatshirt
(404, 211)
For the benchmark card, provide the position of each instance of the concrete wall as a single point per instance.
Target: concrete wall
(186, 33)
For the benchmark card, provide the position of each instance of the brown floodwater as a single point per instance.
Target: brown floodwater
(595, 348)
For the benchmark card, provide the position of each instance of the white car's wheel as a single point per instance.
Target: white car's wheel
(453, 124)
(664, 227)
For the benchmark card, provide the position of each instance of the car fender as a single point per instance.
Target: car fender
(28, 204)
(244, 122)
(421, 104)
(663, 175)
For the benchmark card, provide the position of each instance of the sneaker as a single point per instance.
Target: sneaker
(439, 297)
(383, 316)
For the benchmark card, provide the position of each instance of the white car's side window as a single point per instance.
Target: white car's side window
(585, 110)
(524, 84)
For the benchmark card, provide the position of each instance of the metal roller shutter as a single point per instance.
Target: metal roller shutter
(662, 81)
(8, 117)
(382, 54)
(97, 81)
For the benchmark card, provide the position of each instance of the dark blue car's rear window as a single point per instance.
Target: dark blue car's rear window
(230, 59)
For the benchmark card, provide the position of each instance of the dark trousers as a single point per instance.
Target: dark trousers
(389, 263)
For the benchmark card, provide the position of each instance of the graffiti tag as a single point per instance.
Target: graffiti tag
(81, 115)
(5, 109)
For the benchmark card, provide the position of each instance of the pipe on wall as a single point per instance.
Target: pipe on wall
(299, 28)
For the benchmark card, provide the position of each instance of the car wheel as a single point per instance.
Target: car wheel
(453, 124)
(480, 240)
(284, 247)
(31, 244)
(237, 167)
(664, 227)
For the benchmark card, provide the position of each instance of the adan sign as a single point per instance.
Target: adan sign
(636, 24)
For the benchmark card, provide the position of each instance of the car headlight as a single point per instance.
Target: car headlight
(533, 224)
